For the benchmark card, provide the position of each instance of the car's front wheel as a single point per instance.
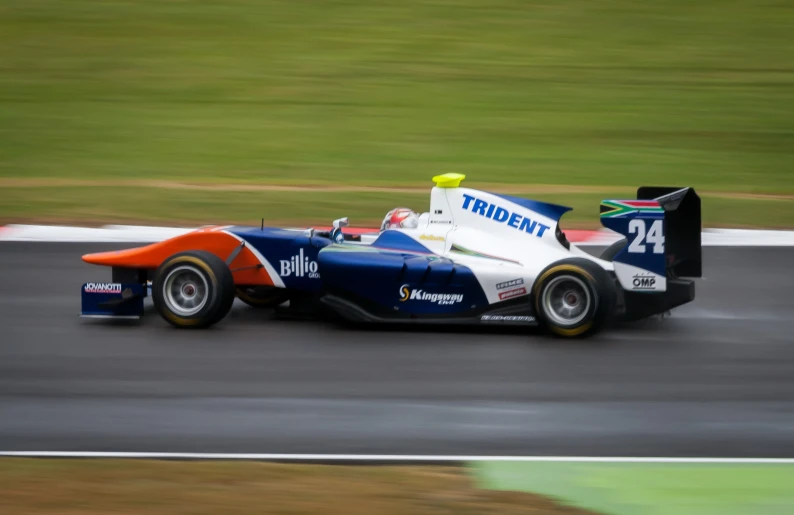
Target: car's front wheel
(193, 289)
(574, 297)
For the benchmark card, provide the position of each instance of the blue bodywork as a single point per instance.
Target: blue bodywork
(397, 274)
(378, 274)
(292, 253)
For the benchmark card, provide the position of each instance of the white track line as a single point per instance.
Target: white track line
(383, 457)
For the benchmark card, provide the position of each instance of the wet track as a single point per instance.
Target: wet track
(716, 379)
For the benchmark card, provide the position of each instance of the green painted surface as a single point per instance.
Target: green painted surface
(651, 489)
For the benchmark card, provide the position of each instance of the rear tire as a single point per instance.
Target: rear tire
(574, 298)
(193, 289)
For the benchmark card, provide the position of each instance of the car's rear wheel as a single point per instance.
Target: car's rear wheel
(574, 297)
(193, 289)
(262, 296)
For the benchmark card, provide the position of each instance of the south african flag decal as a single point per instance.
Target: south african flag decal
(621, 208)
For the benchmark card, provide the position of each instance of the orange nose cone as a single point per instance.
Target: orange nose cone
(247, 270)
(139, 257)
(151, 256)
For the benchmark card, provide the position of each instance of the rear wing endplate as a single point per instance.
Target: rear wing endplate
(682, 219)
(662, 227)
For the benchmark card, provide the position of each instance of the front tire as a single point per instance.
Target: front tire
(193, 289)
(574, 298)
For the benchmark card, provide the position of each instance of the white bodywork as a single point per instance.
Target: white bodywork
(505, 258)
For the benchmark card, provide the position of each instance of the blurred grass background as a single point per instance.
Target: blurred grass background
(608, 93)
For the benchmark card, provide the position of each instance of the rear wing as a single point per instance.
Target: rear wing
(682, 221)
(663, 227)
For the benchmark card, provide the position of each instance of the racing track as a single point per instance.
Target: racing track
(717, 379)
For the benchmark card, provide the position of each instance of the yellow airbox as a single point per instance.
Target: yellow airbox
(448, 180)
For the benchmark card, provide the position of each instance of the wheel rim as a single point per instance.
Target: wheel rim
(566, 300)
(185, 291)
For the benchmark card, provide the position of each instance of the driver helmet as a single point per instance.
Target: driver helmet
(400, 218)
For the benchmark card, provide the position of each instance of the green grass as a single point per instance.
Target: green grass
(101, 205)
(651, 489)
(615, 93)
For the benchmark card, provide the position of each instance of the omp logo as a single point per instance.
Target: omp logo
(102, 288)
(643, 282)
(443, 299)
(299, 266)
(502, 215)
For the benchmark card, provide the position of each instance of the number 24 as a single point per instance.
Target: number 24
(653, 236)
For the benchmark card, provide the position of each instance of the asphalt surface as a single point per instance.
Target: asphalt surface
(715, 379)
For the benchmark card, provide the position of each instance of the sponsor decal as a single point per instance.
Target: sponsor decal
(430, 237)
(501, 318)
(643, 282)
(502, 215)
(509, 294)
(445, 222)
(127, 293)
(442, 299)
(509, 284)
(299, 266)
(102, 288)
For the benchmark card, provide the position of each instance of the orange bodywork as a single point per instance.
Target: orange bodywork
(245, 269)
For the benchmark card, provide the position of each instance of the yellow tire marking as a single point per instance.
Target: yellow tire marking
(186, 322)
(576, 331)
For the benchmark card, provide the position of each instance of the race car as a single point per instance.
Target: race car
(473, 258)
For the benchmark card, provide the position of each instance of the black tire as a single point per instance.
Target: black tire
(202, 274)
(262, 296)
(612, 251)
(589, 283)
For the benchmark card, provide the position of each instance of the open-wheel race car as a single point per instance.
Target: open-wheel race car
(474, 258)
